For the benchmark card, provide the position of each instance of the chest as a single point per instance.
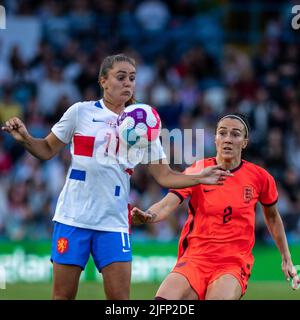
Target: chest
(237, 195)
(95, 136)
(96, 124)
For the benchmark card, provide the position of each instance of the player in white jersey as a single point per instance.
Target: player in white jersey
(91, 216)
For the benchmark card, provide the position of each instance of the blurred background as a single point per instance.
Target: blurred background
(197, 59)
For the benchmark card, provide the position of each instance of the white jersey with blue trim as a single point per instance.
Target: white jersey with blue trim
(96, 192)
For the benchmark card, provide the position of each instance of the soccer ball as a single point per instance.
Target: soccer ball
(138, 125)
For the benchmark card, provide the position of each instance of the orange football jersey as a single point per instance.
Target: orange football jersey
(221, 219)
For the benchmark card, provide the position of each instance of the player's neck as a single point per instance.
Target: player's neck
(116, 108)
(228, 164)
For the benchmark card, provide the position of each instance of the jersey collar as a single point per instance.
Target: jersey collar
(107, 109)
(234, 169)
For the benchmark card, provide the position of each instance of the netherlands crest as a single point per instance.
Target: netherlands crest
(62, 245)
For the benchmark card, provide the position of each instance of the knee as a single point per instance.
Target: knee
(63, 295)
(216, 297)
(221, 296)
(117, 296)
(159, 298)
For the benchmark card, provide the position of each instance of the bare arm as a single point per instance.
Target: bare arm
(169, 178)
(157, 212)
(43, 149)
(276, 229)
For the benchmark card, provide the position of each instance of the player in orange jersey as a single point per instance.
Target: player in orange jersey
(215, 247)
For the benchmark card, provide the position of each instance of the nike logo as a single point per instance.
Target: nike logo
(95, 120)
(125, 250)
(110, 123)
(208, 190)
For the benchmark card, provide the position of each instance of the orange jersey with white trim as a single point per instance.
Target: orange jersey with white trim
(221, 220)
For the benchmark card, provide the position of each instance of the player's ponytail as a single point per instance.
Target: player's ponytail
(132, 100)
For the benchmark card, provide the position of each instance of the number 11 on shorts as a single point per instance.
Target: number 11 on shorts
(125, 242)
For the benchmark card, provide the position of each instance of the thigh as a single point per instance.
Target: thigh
(195, 273)
(71, 245)
(110, 247)
(176, 287)
(225, 287)
(65, 281)
(116, 280)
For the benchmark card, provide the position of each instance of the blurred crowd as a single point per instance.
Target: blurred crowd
(186, 69)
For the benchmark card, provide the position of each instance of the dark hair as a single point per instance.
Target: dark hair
(238, 116)
(108, 63)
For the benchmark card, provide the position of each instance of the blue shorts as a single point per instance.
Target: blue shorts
(73, 245)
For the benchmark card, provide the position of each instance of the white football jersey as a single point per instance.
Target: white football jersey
(96, 192)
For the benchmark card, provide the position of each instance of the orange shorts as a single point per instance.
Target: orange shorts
(201, 273)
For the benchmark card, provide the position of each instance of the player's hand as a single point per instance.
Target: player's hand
(288, 269)
(139, 216)
(214, 175)
(290, 273)
(295, 283)
(16, 128)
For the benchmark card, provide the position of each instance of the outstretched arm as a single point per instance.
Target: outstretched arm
(43, 149)
(157, 212)
(276, 228)
(169, 178)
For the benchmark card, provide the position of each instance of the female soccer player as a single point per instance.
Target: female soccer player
(92, 210)
(215, 248)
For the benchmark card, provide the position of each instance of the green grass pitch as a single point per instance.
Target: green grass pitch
(257, 290)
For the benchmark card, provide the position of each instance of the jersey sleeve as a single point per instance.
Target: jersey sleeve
(184, 192)
(269, 193)
(153, 153)
(64, 129)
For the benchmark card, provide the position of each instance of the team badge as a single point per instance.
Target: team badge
(62, 245)
(248, 193)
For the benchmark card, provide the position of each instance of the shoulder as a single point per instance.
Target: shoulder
(84, 106)
(198, 165)
(260, 171)
(209, 162)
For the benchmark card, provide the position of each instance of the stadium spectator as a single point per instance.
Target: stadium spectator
(19, 213)
(5, 160)
(153, 15)
(8, 106)
(215, 248)
(53, 88)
